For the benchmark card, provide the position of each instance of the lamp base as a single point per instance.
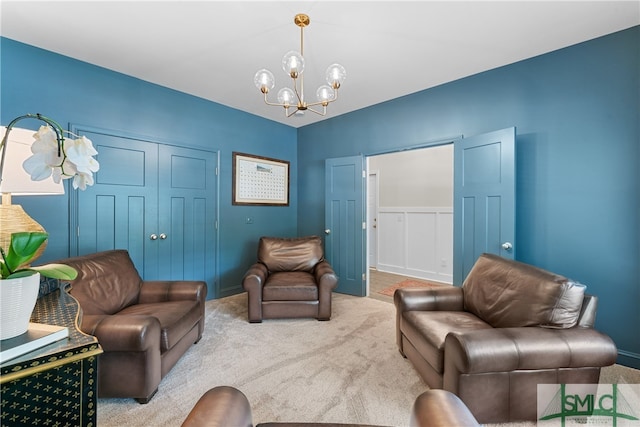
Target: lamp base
(14, 219)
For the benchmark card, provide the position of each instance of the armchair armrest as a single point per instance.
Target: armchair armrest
(440, 408)
(446, 298)
(123, 333)
(255, 278)
(253, 282)
(530, 348)
(221, 406)
(325, 276)
(172, 290)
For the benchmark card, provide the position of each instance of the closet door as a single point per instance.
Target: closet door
(186, 206)
(120, 211)
(157, 201)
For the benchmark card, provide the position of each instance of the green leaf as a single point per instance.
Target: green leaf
(57, 271)
(4, 271)
(20, 273)
(23, 248)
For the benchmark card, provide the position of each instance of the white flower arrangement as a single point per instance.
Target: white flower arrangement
(73, 158)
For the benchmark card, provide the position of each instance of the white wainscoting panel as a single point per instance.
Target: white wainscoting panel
(416, 242)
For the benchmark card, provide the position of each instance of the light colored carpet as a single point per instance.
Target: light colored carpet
(345, 370)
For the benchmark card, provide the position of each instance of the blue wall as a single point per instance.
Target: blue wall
(69, 91)
(576, 113)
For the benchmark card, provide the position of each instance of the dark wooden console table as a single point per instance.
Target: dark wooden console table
(56, 384)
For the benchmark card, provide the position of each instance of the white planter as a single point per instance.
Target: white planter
(17, 300)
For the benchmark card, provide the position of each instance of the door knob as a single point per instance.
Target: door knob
(327, 231)
(163, 236)
(507, 246)
(154, 237)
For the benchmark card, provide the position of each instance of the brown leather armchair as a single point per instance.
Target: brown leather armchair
(144, 327)
(510, 327)
(226, 406)
(291, 279)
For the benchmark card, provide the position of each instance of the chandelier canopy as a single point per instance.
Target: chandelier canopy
(293, 100)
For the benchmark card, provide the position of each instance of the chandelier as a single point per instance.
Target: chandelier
(293, 65)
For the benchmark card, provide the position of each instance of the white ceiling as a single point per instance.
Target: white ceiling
(212, 49)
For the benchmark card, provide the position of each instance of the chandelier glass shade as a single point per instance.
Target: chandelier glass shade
(293, 100)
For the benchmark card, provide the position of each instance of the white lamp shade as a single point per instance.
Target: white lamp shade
(15, 179)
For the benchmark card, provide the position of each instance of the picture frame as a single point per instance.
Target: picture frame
(258, 180)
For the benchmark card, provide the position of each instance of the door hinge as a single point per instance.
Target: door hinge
(216, 224)
(364, 225)
(364, 173)
(216, 171)
(364, 277)
(78, 231)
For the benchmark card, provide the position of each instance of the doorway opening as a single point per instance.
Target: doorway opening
(409, 213)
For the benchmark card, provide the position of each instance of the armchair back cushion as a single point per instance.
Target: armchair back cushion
(294, 254)
(507, 294)
(110, 282)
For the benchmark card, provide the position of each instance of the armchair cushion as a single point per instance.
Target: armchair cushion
(176, 319)
(429, 329)
(290, 286)
(507, 293)
(294, 254)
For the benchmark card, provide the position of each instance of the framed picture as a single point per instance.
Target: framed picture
(260, 180)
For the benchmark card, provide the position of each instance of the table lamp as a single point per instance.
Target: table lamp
(16, 181)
